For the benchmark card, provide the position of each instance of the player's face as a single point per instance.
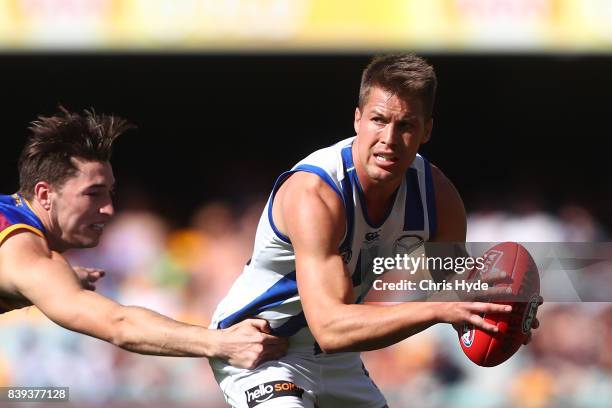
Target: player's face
(83, 205)
(389, 132)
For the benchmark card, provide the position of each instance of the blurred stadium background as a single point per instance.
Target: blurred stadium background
(228, 94)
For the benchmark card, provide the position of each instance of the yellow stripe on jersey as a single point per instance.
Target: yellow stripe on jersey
(15, 227)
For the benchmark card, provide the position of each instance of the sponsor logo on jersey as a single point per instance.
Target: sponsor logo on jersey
(530, 313)
(270, 390)
(18, 202)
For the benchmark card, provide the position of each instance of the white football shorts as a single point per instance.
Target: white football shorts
(300, 380)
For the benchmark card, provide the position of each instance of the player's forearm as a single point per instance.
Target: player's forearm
(370, 327)
(146, 332)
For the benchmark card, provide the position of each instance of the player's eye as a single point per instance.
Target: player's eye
(407, 125)
(378, 119)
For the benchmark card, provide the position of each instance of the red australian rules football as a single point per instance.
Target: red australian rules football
(491, 349)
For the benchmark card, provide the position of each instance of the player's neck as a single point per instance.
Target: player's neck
(50, 230)
(379, 195)
(378, 204)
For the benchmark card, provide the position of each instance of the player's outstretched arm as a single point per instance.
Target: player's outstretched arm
(312, 215)
(247, 344)
(48, 281)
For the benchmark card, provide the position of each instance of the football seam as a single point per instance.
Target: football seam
(516, 257)
(492, 339)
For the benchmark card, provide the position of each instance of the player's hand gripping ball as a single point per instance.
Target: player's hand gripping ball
(490, 349)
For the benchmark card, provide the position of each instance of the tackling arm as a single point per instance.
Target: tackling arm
(47, 280)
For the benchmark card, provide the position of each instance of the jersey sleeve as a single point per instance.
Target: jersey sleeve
(10, 223)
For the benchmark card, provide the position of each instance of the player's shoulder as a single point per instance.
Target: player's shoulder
(305, 187)
(311, 211)
(328, 161)
(20, 252)
(319, 174)
(24, 244)
(13, 205)
(17, 215)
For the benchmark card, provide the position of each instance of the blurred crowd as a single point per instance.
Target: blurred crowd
(184, 272)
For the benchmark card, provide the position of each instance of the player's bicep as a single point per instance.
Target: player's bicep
(316, 227)
(48, 281)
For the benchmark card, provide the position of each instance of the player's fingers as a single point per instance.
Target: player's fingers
(268, 339)
(95, 273)
(260, 324)
(489, 307)
(535, 324)
(481, 323)
(274, 352)
(277, 350)
(94, 277)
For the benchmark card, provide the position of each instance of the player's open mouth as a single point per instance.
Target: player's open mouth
(384, 158)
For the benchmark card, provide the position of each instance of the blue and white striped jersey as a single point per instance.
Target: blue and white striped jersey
(267, 287)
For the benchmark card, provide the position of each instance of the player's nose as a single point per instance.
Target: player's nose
(108, 209)
(388, 135)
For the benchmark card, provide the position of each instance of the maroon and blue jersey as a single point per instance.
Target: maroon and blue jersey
(16, 214)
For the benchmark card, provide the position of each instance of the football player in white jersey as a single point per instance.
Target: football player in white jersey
(302, 237)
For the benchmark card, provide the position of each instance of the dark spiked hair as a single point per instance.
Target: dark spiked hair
(405, 75)
(55, 140)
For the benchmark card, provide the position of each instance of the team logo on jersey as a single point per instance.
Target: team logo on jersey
(372, 236)
(406, 244)
(270, 390)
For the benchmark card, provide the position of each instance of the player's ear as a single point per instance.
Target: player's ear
(42, 194)
(357, 119)
(428, 128)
